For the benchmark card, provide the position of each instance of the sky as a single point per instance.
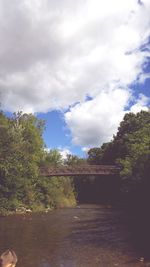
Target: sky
(79, 65)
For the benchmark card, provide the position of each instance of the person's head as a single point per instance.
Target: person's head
(8, 259)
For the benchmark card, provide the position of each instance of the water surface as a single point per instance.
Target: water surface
(85, 236)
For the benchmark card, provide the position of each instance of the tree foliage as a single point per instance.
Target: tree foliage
(21, 148)
(73, 160)
(130, 148)
(22, 152)
(55, 191)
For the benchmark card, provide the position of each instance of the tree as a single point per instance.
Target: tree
(73, 160)
(21, 148)
(96, 154)
(55, 191)
(51, 158)
(22, 153)
(136, 163)
(130, 148)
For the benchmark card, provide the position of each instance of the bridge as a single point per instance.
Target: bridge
(85, 170)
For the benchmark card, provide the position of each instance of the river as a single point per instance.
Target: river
(85, 236)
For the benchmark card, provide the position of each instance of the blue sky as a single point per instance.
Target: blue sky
(56, 134)
(79, 65)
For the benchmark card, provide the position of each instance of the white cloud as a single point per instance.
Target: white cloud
(95, 121)
(85, 149)
(143, 77)
(55, 53)
(141, 104)
(64, 152)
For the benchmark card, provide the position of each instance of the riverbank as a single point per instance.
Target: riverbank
(63, 203)
(48, 194)
(26, 211)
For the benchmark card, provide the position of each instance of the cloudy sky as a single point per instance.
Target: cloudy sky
(78, 64)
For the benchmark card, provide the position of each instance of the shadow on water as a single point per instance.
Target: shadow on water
(140, 228)
(109, 229)
(132, 223)
(114, 232)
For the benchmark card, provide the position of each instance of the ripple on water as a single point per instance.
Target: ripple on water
(87, 236)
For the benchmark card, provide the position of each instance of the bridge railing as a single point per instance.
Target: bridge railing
(79, 170)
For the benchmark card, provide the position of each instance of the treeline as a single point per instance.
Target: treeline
(129, 149)
(22, 152)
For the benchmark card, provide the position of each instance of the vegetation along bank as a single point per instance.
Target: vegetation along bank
(23, 152)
